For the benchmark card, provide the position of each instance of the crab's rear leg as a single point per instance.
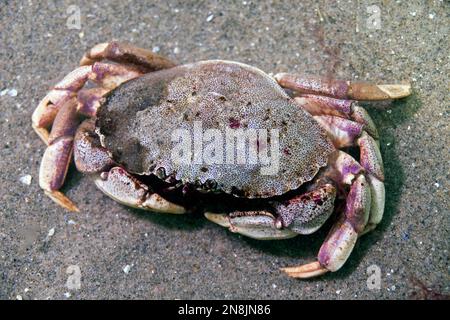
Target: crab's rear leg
(342, 89)
(114, 181)
(127, 54)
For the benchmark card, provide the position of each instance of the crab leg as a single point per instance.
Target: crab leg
(89, 100)
(109, 76)
(341, 132)
(365, 201)
(342, 89)
(125, 53)
(45, 113)
(60, 107)
(348, 109)
(333, 115)
(57, 156)
(342, 237)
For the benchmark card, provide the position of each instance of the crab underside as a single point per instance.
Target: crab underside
(326, 160)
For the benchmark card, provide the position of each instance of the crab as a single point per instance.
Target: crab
(120, 131)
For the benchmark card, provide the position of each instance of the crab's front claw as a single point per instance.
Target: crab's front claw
(259, 225)
(306, 213)
(126, 189)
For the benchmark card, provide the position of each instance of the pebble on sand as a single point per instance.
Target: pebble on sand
(127, 269)
(26, 179)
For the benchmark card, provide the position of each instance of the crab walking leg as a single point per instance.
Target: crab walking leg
(344, 133)
(341, 131)
(341, 240)
(128, 190)
(107, 75)
(260, 225)
(364, 205)
(45, 113)
(58, 154)
(348, 109)
(342, 89)
(89, 100)
(125, 53)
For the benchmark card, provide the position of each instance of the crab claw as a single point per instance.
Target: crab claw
(259, 225)
(306, 213)
(128, 190)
